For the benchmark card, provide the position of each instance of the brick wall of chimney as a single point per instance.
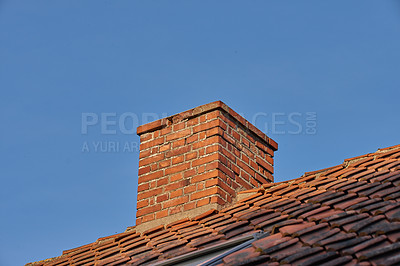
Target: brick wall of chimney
(198, 160)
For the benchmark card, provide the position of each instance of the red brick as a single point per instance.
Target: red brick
(151, 143)
(177, 168)
(253, 165)
(152, 159)
(212, 182)
(207, 125)
(190, 189)
(179, 184)
(147, 218)
(213, 114)
(200, 186)
(191, 156)
(178, 126)
(236, 152)
(151, 200)
(165, 147)
(161, 214)
(192, 122)
(248, 153)
(206, 159)
(270, 152)
(175, 210)
(205, 193)
(151, 126)
(245, 167)
(216, 199)
(143, 187)
(146, 137)
(245, 184)
(212, 165)
(245, 158)
(264, 164)
(235, 169)
(261, 179)
(227, 154)
(189, 206)
(228, 198)
(178, 143)
(212, 148)
(176, 177)
(261, 146)
(245, 142)
(239, 118)
(201, 152)
(236, 135)
(214, 131)
(189, 173)
(205, 176)
(144, 154)
(162, 197)
(154, 167)
(178, 151)
(179, 134)
(176, 193)
(150, 193)
(142, 203)
(206, 142)
(254, 182)
(151, 176)
(176, 202)
(148, 210)
(155, 150)
(165, 163)
(202, 118)
(192, 138)
(226, 170)
(203, 202)
(269, 159)
(202, 135)
(144, 170)
(229, 138)
(245, 175)
(178, 159)
(165, 131)
(273, 144)
(226, 187)
(162, 182)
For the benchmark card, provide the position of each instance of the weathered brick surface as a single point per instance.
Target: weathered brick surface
(199, 157)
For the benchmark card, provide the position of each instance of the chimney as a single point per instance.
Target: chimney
(196, 161)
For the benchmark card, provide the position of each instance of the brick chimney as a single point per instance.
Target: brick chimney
(198, 160)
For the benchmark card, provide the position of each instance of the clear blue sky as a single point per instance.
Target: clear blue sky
(59, 59)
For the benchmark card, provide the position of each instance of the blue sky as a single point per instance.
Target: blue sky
(339, 60)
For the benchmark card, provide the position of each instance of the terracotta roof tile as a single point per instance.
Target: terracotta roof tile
(245, 256)
(344, 215)
(291, 229)
(302, 253)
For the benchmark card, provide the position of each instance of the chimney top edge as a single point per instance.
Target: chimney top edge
(197, 111)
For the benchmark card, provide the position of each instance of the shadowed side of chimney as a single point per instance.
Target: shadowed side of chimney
(196, 161)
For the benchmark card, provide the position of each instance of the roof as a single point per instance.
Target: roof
(348, 214)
